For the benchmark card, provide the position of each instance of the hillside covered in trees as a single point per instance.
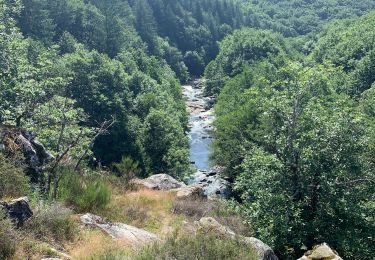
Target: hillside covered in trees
(98, 84)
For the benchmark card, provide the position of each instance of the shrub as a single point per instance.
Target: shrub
(85, 194)
(127, 166)
(197, 247)
(52, 222)
(13, 181)
(7, 237)
(127, 169)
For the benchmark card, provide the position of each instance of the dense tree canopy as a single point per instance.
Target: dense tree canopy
(300, 17)
(295, 136)
(63, 83)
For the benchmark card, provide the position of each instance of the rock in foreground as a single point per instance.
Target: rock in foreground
(191, 191)
(321, 252)
(159, 182)
(18, 210)
(211, 225)
(134, 236)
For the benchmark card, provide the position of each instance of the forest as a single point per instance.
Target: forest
(98, 83)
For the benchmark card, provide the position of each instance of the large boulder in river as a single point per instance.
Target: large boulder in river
(159, 182)
(133, 236)
(17, 210)
(210, 225)
(321, 252)
(16, 140)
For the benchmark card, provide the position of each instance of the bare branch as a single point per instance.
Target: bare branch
(102, 130)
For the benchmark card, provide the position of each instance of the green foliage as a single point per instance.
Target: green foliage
(350, 44)
(51, 222)
(58, 123)
(294, 146)
(164, 141)
(127, 169)
(197, 247)
(7, 237)
(13, 181)
(300, 17)
(84, 193)
(242, 48)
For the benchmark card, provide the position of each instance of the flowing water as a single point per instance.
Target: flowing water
(200, 124)
(200, 140)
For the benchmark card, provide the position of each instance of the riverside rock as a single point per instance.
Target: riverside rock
(212, 184)
(133, 236)
(159, 182)
(211, 225)
(17, 210)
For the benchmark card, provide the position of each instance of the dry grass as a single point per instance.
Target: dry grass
(29, 248)
(197, 208)
(91, 243)
(155, 211)
(146, 209)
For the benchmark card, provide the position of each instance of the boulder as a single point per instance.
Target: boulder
(17, 210)
(321, 252)
(159, 182)
(210, 225)
(133, 236)
(190, 191)
(14, 140)
(264, 251)
(213, 185)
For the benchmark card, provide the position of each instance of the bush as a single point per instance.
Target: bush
(85, 194)
(7, 237)
(52, 222)
(197, 247)
(13, 181)
(127, 169)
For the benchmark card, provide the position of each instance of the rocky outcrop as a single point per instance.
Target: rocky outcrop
(17, 210)
(210, 225)
(15, 140)
(159, 182)
(191, 191)
(321, 252)
(133, 236)
(213, 185)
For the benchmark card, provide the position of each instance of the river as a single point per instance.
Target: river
(200, 125)
(201, 118)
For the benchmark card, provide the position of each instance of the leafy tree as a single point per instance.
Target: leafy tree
(244, 47)
(295, 147)
(164, 142)
(350, 44)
